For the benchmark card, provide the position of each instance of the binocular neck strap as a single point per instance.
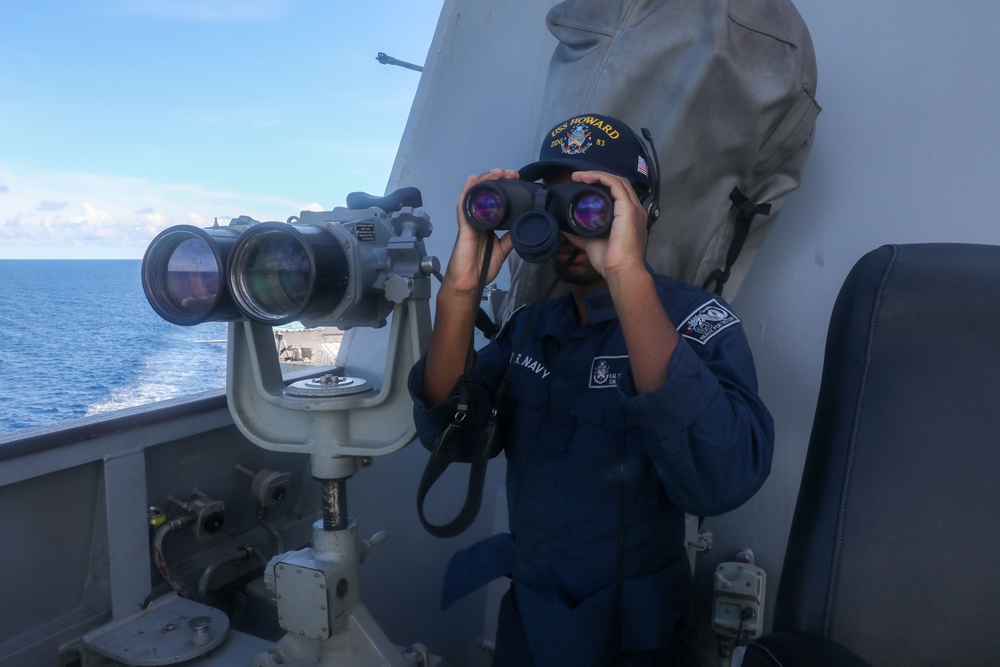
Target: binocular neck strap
(447, 448)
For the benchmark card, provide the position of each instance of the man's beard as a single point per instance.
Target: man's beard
(577, 274)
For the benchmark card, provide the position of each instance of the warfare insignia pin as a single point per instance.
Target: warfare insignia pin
(601, 372)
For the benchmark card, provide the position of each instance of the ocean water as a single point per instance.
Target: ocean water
(78, 338)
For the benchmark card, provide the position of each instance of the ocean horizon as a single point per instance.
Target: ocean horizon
(80, 339)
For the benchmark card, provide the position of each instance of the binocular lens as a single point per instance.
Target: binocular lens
(182, 274)
(272, 276)
(535, 213)
(486, 208)
(192, 278)
(592, 213)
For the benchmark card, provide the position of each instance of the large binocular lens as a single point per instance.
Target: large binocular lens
(282, 273)
(277, 273)
(348, 267)
(183, 274)
(535, 214)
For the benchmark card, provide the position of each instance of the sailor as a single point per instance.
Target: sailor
(632, 400)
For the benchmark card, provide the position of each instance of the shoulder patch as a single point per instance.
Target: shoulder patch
(706, 321)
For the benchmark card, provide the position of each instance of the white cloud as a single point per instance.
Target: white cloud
(91, 215)
(156, 219)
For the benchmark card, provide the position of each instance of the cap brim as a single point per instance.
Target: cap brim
(541, 169)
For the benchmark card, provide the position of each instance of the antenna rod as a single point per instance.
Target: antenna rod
(389, 60)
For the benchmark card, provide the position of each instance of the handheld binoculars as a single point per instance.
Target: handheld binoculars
(535, 214)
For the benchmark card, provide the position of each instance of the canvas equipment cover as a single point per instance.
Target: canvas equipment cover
(727, 89)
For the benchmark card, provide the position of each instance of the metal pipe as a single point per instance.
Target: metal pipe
(279, 543)
(334, 504)
(160, 561)
(239, 554)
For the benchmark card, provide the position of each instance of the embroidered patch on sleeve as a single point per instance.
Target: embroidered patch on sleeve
(706, 321)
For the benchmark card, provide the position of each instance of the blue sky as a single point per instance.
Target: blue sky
(119, 118)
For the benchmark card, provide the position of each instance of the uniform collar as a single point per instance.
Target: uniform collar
(560, 321)
(599, 305)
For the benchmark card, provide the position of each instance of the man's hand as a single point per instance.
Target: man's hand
(650, 336)
(466, 263)
(459, 297)
(623, 250)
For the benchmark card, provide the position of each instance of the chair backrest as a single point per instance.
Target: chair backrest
(895, 542)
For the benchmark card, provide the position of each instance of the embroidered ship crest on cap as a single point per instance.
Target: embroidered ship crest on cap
(577, 140)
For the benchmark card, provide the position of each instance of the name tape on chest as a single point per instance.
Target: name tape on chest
(706, 321)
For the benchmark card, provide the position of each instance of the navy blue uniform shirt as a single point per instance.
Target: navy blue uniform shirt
(579, 441)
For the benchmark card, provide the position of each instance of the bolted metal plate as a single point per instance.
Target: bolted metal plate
(303, 600)
(169, 631)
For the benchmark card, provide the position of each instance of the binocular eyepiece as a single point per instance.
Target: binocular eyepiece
(536, 214)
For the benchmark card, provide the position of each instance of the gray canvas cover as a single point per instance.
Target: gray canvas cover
(727, 89)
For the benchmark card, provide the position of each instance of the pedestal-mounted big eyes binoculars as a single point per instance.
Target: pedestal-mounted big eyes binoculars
(345, 267)
(535, 214)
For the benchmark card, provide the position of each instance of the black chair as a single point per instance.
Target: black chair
(894, 552)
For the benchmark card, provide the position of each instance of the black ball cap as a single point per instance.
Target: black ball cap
(592, 142)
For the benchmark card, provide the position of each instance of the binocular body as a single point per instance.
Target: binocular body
(536, 214)
(342, 267)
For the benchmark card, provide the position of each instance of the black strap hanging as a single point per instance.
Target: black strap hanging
(484, 323)
(487, 326)
(447, 447)
(746, 210)
(447, 450)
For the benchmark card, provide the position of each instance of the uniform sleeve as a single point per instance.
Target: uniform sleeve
(431, 419)
(706, 430)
